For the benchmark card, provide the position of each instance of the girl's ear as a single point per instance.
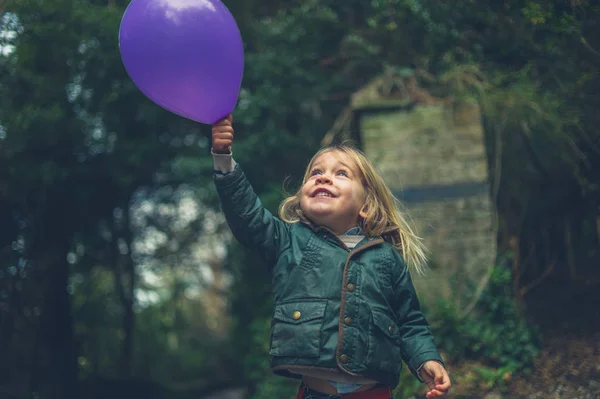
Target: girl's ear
(363, 212)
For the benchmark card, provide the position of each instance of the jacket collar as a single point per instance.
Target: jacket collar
(316, 228)
(366, 242)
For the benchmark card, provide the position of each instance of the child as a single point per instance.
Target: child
(346, 311)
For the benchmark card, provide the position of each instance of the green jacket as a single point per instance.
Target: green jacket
(335, 308)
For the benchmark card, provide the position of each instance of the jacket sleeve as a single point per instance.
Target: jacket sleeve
(416, 340)
(251, 224)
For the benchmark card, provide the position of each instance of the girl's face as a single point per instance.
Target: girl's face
(333, 195)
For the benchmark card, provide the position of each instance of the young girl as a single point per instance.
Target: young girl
(346, 311)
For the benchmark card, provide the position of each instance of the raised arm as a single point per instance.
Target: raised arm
(251, 224)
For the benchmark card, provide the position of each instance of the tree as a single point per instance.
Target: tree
(78, 141)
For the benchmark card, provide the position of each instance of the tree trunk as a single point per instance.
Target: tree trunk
(124, 278)
(570, 251)
(598, 229)
(56, 372)
(60, 333)
(123, 282)
(514, 243)
(128, 316)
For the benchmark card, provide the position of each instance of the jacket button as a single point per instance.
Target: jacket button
(351, 287)
(296, 315)
(344, 358)
(348, 321)
(391, 329)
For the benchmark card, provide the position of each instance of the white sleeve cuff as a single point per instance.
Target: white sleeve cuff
(223, 163)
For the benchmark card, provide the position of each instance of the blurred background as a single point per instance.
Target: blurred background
(119, 277)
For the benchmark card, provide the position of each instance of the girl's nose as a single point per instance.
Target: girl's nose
(323, 180)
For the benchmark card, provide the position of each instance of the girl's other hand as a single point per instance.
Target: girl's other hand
(437, 379)
(222, 135)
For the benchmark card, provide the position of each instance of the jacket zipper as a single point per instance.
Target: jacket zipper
(354, 251)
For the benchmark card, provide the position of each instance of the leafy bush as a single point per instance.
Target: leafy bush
(495, 334)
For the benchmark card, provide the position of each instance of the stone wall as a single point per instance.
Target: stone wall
(433, 157)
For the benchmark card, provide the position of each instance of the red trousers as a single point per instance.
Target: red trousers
(375, 393)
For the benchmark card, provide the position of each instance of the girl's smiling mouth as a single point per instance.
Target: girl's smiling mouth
(322, 192)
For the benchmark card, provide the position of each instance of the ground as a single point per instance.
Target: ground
(568, 365)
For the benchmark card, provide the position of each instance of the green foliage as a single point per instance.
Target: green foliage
(494, 341)
(256, 369)
(80, 145)
(495, 333)
(273, 386)
(408, 385)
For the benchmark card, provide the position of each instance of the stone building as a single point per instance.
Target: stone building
(431, 153)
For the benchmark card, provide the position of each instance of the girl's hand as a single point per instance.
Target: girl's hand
(222, 135)
(437, 379)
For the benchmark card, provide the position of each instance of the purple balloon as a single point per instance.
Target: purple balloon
(185, 55)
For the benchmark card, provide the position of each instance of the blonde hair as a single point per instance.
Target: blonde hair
(383, 215)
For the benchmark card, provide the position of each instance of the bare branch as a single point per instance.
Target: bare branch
(537, 281)
(338, 127)
(588, 46)
(525, 132)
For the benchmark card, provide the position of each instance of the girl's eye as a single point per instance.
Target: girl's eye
(315, 172)
(342, 173)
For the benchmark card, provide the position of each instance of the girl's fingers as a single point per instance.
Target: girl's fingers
(434, 393)
(443, 387)
(223, 136)
(222, 132)
(222, 128)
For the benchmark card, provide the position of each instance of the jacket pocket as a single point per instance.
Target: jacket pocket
(384, 343)
(296, 328)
